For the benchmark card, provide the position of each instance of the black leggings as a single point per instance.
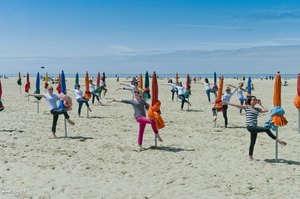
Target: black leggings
(183, 100)
(224, 110)
(81, 101)
(102, 88)
(56, 112)
(173, 92)
(253, 135)
(93, 98)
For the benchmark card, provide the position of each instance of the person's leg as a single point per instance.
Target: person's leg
(145, 121)
(260, 129)
(208, 95)
(87, 104)
(93, 98)
(105, 91)
(80, 102)
(64, 112)
(253, 137)
(173, 92)
(54, 122)
(241, 103)
(225, 107)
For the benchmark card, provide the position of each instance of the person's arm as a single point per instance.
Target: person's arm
(36, 95)
(125, 84)
(231, 86)
(263, 110)
(235, 105)
(121, 101)
(234, 90)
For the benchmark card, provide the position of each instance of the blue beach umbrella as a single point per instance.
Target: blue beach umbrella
(215, 78)
(249, 86)
(63, 82)
(37, 86)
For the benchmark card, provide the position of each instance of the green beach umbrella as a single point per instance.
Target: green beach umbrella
(76, 80)
(146, 89)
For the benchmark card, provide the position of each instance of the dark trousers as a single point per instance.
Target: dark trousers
(173, 92)
(224, 111)
(253, 135)
(80, 102)
(93, 98)
(100, 91)
(56, 112)
(183, 100)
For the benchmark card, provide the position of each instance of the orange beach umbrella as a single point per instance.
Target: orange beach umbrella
(177, 78)
(297, 98)
(218, 102)
(278, 120)
(188, 82)
(154, 89)
(141, 81)
(58, 87)
(87, 94)
(46, 81)
(98, 80)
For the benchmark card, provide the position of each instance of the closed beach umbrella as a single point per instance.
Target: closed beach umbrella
(146, 89)
(27, 85)
(215, 78)
(63, 87)
(98, 80)
(249, 86)
(37, 86)
(58, 87)
(1, 105)
(87, 94)
(141, 81)
(297, 98)
(218, 102)
(76, 80)
(154, 89)
(46, 81)
(104, 77)
(188, 82)
(19, 82)
(177, 78)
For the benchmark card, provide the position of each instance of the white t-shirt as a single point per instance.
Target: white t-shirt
(78, 93)
(181, 90)
(240, 93)
(207, 86)
(51, 100)
(92, 87)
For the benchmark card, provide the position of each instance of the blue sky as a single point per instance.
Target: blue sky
(35, 29)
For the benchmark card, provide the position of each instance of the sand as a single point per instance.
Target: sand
(97, 160)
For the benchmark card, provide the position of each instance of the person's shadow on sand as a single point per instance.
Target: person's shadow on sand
(283, 161)
(169, 149)
(80, 138)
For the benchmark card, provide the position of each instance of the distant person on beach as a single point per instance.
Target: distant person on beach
(240, 94)
(102, 87)
(181, 94)
(80, 99)
(52, 100)
(208, 89)
(252, 113)
(133, 87)
(93, 92)
(225, 98)
(173, 88)
(139, 105)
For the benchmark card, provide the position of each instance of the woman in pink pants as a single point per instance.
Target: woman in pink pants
(139, 106)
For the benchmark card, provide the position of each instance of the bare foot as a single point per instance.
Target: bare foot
(282, 142)
(71, 122)
(190, 103)
(215, 119)
(140, 148)
(251, 158)
(159, 138)
(54, 136)
(90, 109)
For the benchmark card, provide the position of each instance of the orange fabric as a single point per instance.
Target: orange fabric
(279, 120)
(67, 101)
(218, 102)
(188, 82)
(297, 102)
(298, 85)
(154, 89)
(277, 91)
(58, 87)
(154, 114)
(87, 93)
(141, 81)
(177, 78)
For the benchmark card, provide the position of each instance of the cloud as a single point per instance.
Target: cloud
(239, 28)
(122, 50)
(275, 15)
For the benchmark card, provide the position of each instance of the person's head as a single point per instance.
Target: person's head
(206, 80)
(252, 100)
(91, 81)
(77, 87)
(50, 89)
(170, 81)
(228, 90)
(138, 94)
(180, 84)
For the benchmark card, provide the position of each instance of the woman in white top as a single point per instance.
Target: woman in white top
(208, 89)
(52, 100)
(80, 99)
(173, 88)
(240, 94)
(93, 92)
(181, 90)
(102, 87)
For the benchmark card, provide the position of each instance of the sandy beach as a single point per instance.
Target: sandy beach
(98, 159)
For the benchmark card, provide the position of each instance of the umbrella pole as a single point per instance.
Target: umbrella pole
(66, 128)
(20, 90)
(188, 99)
(38, 106)
(298, 120)
(87, 112)
(155, 141)
(276, 148)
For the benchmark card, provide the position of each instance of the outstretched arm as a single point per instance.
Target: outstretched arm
(36, 95)
(263, 110)
(231, 85)
(235, 105)
(124, 84)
